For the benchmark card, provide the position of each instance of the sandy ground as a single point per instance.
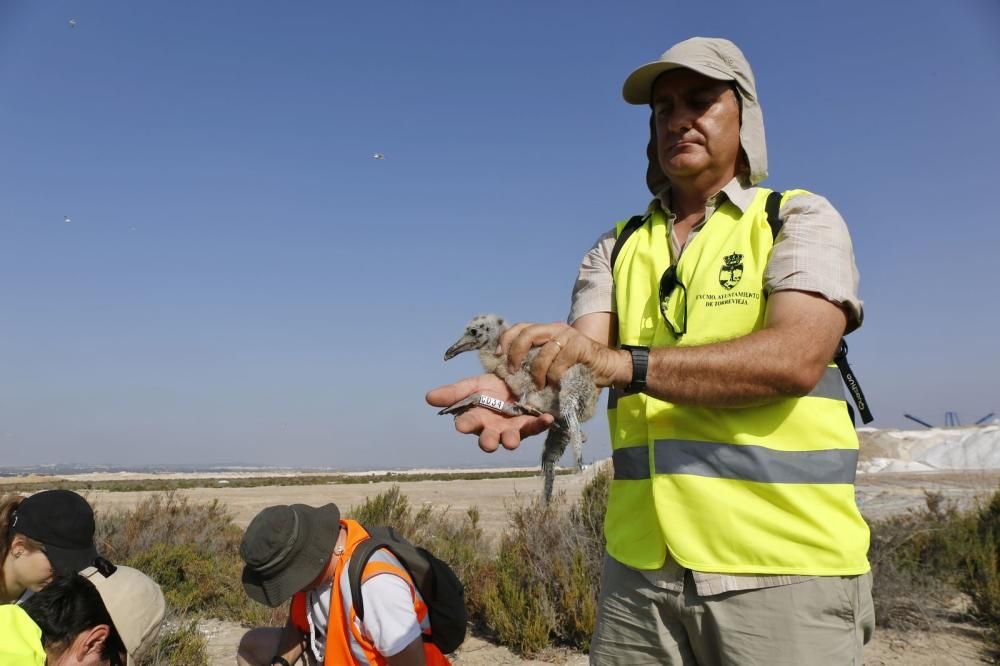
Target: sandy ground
(491, 496)
(878, 495)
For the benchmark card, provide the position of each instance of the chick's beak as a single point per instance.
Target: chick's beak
(463, 344)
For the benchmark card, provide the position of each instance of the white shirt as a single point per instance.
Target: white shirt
(390, 620)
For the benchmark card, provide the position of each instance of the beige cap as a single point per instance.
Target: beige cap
(715, 58)
(135, 604)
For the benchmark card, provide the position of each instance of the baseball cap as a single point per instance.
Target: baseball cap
(285, 548)
(719, 59)
(135, 604)
(63, 522)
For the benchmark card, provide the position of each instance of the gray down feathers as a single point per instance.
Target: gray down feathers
(574, 402)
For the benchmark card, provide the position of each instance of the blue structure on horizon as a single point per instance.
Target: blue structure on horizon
(950, 420)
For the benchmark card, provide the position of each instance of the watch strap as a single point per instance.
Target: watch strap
(640, 365)
(278, 660)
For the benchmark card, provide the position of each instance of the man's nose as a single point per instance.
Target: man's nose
(680, 121)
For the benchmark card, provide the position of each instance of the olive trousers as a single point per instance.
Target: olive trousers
(824, 620)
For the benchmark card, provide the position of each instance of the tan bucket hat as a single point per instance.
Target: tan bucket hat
(718, 59)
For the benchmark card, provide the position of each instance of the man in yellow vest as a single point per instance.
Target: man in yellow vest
(732, 531)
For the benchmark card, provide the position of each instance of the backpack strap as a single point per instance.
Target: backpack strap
(773, 208)
(633, 223)
(359, 560)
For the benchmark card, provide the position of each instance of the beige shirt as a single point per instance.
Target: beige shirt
(813, 252)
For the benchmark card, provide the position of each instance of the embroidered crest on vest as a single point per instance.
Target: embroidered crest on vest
(731, 271)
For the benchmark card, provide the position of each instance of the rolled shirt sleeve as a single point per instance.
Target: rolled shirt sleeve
(594, 289)
(813, 252)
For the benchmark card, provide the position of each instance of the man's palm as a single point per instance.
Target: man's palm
(493, 429)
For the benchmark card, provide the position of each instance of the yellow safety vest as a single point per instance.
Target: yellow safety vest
(767, 489)
(20, 638)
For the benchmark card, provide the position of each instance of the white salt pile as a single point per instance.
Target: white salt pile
(976, 447)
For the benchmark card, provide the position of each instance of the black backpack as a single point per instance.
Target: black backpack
(440, 588)
(772, 206)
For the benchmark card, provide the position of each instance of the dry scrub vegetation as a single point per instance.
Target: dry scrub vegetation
(535, 585)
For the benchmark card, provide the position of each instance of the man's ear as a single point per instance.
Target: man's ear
(90, 642)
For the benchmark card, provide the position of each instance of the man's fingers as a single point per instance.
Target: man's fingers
(533, 336)
(547, 353)
(444, 396)
(511, 334)
(489, 440)
(469, 422)
(510, 438)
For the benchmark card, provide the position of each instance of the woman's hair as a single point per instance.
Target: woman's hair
(8, 505)
(68, 606)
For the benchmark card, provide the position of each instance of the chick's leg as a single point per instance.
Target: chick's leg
(494, 404)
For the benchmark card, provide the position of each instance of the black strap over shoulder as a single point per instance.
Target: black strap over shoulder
(633, 223)
(359, 559)
(773, 208)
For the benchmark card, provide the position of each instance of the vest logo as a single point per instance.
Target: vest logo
(731, 271)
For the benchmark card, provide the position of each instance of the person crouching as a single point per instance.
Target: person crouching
(301, 553)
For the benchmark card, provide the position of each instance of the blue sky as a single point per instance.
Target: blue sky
(240, 281)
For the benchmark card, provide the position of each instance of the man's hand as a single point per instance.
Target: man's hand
(493, 429)
(562, 347)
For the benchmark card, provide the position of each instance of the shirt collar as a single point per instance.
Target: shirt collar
(738, 193)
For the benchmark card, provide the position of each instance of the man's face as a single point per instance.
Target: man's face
(697, 122)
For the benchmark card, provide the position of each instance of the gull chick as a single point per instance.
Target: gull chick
(573, 403)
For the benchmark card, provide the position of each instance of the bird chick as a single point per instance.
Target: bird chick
(573, 403)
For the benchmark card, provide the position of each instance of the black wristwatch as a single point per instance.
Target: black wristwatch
(640, 364)
(278, 660)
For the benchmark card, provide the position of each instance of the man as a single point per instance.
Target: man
(106, 615)
(302, 553)
(732, 532)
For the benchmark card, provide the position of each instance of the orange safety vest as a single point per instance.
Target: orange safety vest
(345, 644)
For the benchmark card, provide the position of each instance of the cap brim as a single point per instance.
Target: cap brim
(638, 88)
(66, 561)
(321, 529)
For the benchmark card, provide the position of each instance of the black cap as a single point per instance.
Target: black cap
(63, 522)
(285, 548)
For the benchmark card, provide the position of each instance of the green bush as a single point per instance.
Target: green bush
(934, 553)
(181, 645)
(514, 607)
(456, 540)
(192, 551)
(542, 586)
(981, 579)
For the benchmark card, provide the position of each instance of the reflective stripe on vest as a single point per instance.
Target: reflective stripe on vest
(765, 489)
(734, 461)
